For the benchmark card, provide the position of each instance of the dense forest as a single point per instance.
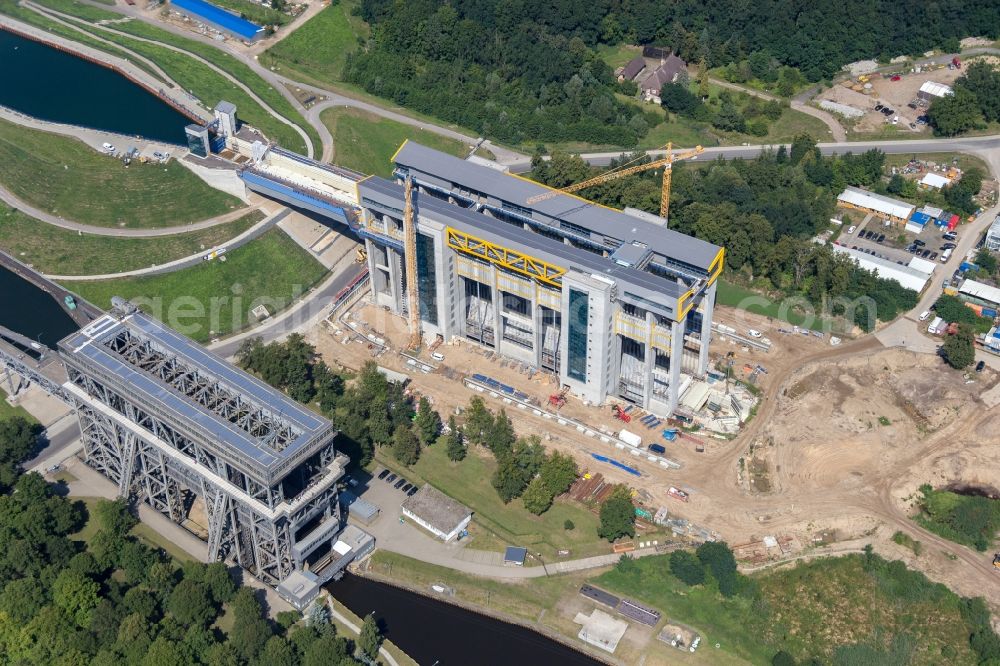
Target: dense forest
(974, 103)
(520, 71)
(765, 212)
(101, 597)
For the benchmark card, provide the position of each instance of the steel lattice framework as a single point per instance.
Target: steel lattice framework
(269, 490)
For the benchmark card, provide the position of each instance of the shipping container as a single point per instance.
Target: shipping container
(630, 438)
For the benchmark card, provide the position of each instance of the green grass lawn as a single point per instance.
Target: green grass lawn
(830, 608)
(319, 48)
(969, 520)
(618, 56)
(214, 298)
(65, 177)
(9, 411)
(62, 252)
(254, 12)
(366, 142)
(510, 524)
(143, 531)
(739, 297)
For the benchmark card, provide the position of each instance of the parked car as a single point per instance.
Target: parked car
(390, 478)
(384, 473)
(412, 491)
(879, 107)
(919, 243)
(950, 236)
(852, 228)
(895, 77)
(399, 484)
(854, 247)
(980, 366)
(949, 246)
(407, 487)
(933, 255)
(881, 237)
(754, 333)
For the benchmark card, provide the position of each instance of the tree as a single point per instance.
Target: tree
(719, 559)
(500, 437)
(508, 479)
(427, 423)
(216, 577)
(455, 447)
(569, 525)
(985, 260)
(370, 638)
(22, 598)
(76, 594)
(686, 567)
(959, 350)
(191, 603)
(405, 446)
(782, 658)
(278, 652)
(250, 630)
(115, 517)
(537, 496)
(617, 515)
(478, 420)
(163, 652)
(559, 471)
(956, 113)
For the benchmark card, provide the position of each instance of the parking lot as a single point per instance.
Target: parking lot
(894, 243)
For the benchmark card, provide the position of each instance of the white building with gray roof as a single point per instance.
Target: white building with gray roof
(614, 303)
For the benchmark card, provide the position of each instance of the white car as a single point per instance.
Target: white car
(754, 333)
(108, 148)
(853, 227)
(437, 356)
(925, 315)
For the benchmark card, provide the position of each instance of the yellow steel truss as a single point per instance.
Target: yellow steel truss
(504, 257)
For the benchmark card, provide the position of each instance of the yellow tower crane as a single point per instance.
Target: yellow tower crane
(410, 258)
(626, 170)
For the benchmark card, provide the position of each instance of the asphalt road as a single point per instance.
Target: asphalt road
(980, 144)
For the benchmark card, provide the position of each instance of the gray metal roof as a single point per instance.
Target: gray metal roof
(594, 217)
(225, 107)
(89, 343)
(655, 289)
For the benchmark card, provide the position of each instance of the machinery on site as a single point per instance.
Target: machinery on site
(620, 414)
(627, 169)
(996, 560)
(360, 256)
(557, 400)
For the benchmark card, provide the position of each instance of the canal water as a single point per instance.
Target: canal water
(434, 632)
(26, 309)
(49, 84)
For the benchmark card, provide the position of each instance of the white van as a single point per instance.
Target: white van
(945, 255)
(925, 315)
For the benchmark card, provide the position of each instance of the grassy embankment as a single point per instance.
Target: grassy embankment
(203, 82)
(142, 531)
(496, 524)
(62, 252)
(833, 609)
(67, 178)
(215, 298)
(366, 142)
(255, 13)
(735, 296)
(7, 410)
(970, 520)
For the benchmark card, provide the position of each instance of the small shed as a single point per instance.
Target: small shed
(935, 181)
(515, 556)
(436, 512)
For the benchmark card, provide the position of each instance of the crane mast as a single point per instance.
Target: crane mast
(410, 259)
(625, 170)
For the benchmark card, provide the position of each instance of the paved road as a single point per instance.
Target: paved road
(987, 147)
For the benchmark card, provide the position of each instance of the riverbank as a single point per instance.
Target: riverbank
(179, 100)
(519, 636)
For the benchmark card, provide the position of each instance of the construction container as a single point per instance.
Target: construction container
(630, 438)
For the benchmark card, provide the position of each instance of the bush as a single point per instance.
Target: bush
(569, 525)
(686, 567)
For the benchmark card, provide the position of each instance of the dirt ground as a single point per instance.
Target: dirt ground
(842, 440)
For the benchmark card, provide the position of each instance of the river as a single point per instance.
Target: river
(434, 632)
(26, 309)
(49, 84)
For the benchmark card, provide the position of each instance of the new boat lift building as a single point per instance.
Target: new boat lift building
(613, 302)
